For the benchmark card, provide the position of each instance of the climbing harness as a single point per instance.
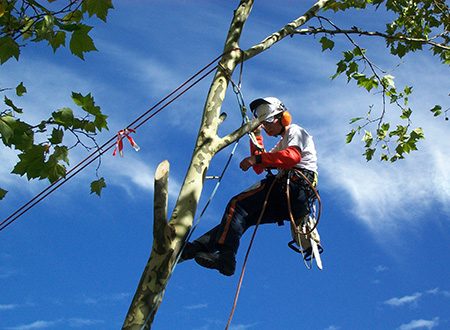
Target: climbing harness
(304, 230)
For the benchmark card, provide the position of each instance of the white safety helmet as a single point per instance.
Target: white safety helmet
(267, 108)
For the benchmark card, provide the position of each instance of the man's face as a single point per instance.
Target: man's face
(272, 128)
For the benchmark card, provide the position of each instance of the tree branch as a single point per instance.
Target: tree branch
(237, 134)
(288, 29)
(356, 30)
(160, 200)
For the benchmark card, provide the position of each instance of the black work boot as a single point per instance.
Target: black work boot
(189, 251)
(224, 262)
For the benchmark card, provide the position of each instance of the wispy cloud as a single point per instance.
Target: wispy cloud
(6, 273)
(60, 323)
(197, 306)
(332, 327)
(7, 307)
(108, 298)
(243, 326)
(381, 268)
(36, 325)
(79, 323)
(438, 291)
(405, 300)
(420, 324)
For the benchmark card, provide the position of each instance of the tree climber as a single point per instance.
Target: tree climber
(217, 248)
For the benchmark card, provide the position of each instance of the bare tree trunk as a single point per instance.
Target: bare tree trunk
(169, 236)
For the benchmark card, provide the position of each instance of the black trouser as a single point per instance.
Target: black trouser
(243, 211)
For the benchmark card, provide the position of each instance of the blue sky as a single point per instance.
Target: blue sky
(74, 260)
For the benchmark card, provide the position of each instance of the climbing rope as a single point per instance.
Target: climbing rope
(142, 119)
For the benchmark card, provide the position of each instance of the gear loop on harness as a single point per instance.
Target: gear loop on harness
(315, 196)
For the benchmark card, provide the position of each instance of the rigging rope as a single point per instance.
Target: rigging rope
(138, 122)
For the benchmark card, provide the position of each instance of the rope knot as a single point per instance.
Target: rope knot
(125, 133)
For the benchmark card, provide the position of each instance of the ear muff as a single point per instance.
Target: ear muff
(286, 118)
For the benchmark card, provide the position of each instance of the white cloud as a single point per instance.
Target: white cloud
(243, 326)
(420, 324)
(381, 268)
(332, 327)
(36, 325)
(79, 323)
(412, 299)
(197, 306)
(61, 323)
(108, 298)
(6, 307)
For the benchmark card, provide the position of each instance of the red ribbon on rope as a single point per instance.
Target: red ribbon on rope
(124, 133)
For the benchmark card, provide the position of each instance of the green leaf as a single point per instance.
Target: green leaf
(31, 162)
(367, 83)
(22, 134)
(61, 153)
(369, 153)
(407, 90)
(348, 56)
(21, 89)
(57, 40)
(437, 110)
(368, 138)
(97, 186)
(97, 7)
(350, 136)
(63, 117)
(3, 193)
(6, 129)
(326, 43)
(8, 48)
(406, 113)
(57, 136)
(87, 103)
(388, 81)
(10, 103)
(81, 42)
(53, 171)
(354, 120)
(341, 67)
(100, 122)
(417, 134)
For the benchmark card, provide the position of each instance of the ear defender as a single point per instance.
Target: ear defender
(286, 119)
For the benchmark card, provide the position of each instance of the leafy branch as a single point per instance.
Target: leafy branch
(22, 21)
(42, 152)
(403, 138)
(356, 30)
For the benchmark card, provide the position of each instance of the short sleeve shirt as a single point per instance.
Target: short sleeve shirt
(299, 137)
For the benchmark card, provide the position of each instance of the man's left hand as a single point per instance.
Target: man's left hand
(248, 162)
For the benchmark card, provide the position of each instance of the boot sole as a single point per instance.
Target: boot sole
(211, 264)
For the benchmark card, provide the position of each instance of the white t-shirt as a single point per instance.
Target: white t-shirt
(298, 136)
